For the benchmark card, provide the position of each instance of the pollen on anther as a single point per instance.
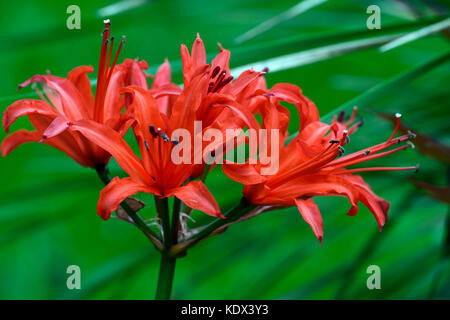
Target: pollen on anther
(165, 137)
(398, 115)
(411, 144)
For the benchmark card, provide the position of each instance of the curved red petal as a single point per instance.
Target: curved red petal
(81, 81)
(74, 105)
(311, 214)
(195, 195)
(117, 191)
(17, 138)
(243, 173)
(24, 107)
(112, 142)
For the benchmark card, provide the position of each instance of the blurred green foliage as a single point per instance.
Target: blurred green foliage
(47, 202)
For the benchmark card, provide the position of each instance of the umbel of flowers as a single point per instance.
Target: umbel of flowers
(90, 128)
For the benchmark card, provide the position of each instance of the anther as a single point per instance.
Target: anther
(361, 122)
(341, 151)
(334, 141)
(417, 168)
(411, 135)
(215, 72)
(411, 144)
(165, 137)
(146, 145)
(223, 83)
(366, 153)
(341, 116)
(175, 141)
(153, 131)
(265, 70)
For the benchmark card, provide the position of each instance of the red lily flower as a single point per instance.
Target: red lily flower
(208, 96)
(156, 173)
(71, 99)
(210, 91)
(310, 165)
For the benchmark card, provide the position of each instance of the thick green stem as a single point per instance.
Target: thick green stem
(165, 280)
(175, 219)
(167, 265)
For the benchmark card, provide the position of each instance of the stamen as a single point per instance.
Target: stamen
(341, 116)
(398, 116)
(153, 131)
(175, 141)
(215, 72)
(411, 144)
(223, 83)
(219, 80)
(377, 169)
(344, 137)
(352, 116)
(165, 137)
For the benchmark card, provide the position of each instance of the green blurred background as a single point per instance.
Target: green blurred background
(47, 202)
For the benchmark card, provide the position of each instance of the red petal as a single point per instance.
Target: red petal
(81, 81)
(112, 142)
(311, 214)
(17, 138)
(145, 108)
(60, 124)
(198, 54)
(117, 191)
(243, 80)
(243, 173)
(74, 104)
(197, 196)
(163, 77)
(378, 206)
(23, 107)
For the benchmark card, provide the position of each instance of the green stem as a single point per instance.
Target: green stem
(239, 210)
(165, 280)
(231, 215)
(175, 219)
(167, 265)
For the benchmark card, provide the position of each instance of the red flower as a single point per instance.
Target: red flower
(71, 99)
(156, 173)
(311, 165)
(209, 96)
(209, 92)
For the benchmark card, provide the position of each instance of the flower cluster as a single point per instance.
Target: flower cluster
(90, 129)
